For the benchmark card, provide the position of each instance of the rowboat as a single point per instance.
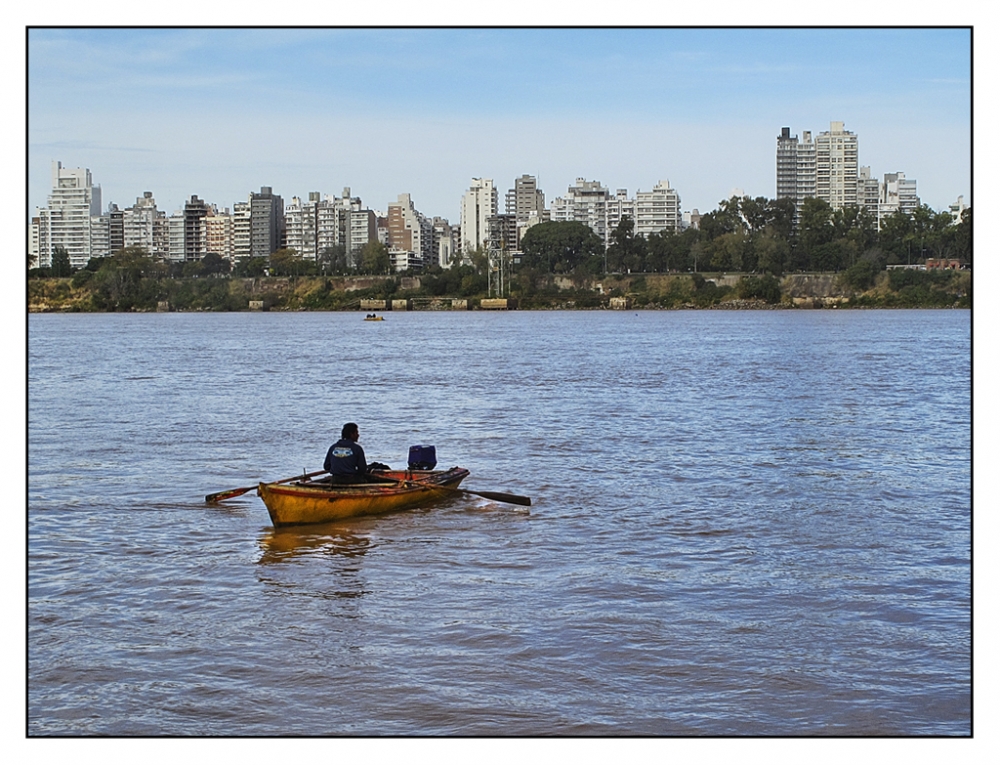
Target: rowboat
(374, 318)
(319, 501)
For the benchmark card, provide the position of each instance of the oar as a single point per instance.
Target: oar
(230, 493)
(511, 499)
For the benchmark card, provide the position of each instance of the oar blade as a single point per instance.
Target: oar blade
(228, 494)
(512, 499)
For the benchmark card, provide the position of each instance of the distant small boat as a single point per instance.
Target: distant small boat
(373, 317)
(306, 501)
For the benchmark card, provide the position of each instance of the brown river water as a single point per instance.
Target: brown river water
(743, 524)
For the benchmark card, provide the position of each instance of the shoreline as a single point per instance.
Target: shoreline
(97, 293)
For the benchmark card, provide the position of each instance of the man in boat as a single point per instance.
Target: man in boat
(345, 460)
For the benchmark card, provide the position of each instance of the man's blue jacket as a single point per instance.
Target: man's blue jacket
(345, 457)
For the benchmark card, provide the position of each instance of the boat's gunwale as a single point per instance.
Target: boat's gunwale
(417, 481)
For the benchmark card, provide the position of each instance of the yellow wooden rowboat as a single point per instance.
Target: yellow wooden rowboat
(306, 501)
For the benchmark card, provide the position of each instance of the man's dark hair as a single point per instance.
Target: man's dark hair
(349, 430)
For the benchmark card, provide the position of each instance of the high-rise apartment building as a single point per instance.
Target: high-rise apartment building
(33, 243)
(323, 222)
(65, 222)
(330, 225)
(657, 210)
(883, 198)
(796, 168)
(409, 232)
(525, 199)
(267, 223)
(868, 191)
(826, 168)
(218, 228)
(837, 166)
(617, 207)
(100, 235)
(356, 225)
(362, 228)
(241, 230)
(585, 202)
(897, 192)
(785, 164)
(300, 226)
(195, 211)
(176, 251)
(479, 203)
(144, 226)
(444, 241)
(116, 228)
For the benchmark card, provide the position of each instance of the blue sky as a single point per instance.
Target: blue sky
(221, 112)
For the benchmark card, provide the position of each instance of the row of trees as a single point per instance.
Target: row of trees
(754, 235)
(373, 258)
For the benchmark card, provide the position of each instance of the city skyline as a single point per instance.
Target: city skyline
(221, 112)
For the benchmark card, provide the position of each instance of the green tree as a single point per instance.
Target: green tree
(862, 235)
(192, 269)
(895, 237)
(60, 262)
(815, 230)
(766, 288)
(288, 262)
(829, 256)
(772, 252)
(214, 264)
(563, 247)
(333, 259)
(726, 219)
(755, 214)
(478, 258)
(253, 268)
(860, 276)
(375, 258)
(627, 251)
(727, 250)
(128, 279)
(781, 217)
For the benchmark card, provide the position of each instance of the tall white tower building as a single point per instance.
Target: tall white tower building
(837, 166)
(479, 203)
(795, 168)
(66, 220)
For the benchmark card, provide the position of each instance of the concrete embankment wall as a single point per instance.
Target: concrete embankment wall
(793, 285)
(811, 286)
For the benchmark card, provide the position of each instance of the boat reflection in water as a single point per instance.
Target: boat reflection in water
(279, 545)
(342, 582)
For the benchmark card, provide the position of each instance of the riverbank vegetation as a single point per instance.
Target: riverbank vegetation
(134, 286)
